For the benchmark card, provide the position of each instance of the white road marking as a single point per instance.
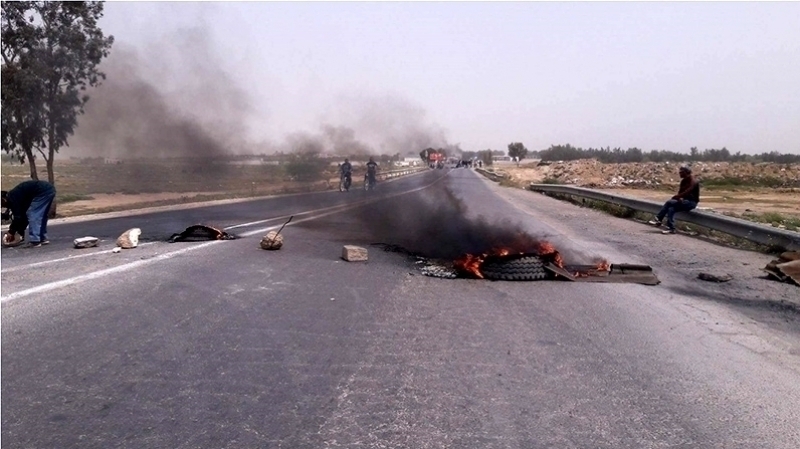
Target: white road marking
(63, 259)
(97, 274)
(169, 255)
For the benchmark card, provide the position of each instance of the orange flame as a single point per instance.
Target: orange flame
(471, 263)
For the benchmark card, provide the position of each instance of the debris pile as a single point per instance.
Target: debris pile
(437, 269)
(594, 174)
(785, 268)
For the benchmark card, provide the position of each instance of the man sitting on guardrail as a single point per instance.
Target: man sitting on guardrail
(687, 198)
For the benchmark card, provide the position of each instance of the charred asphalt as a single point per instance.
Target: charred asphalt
(222, 344)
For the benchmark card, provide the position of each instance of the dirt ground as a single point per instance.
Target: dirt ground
(658, 182)
(105, 201)
(592, 173)
(86, 187)
(787, 203)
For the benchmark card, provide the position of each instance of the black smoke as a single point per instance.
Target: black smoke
(163, 103)
(436, 223)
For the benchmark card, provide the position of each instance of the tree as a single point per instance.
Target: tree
(51, 52)
(22, 93)
(517, 150)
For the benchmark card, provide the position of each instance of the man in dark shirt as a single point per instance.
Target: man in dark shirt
(29, 203)
(345, 175)
(687, 198)
(372, 168)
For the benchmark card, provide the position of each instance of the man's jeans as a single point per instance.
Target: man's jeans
(672, 206)
(37, 216)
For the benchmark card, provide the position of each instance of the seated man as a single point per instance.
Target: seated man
(687, 198)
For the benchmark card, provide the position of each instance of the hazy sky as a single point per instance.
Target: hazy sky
(651, 75)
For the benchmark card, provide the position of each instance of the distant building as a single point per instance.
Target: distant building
(409, 162)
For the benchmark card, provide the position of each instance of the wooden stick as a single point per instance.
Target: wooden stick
(281, 229)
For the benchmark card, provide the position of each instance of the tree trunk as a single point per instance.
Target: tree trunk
(31, 163)
(51, 177)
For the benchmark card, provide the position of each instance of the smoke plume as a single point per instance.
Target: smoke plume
(170, 100)
(438, 225)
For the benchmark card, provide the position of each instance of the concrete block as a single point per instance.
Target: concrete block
(85, 242)
(352, 253)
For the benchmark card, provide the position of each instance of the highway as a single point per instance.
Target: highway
(223, 345)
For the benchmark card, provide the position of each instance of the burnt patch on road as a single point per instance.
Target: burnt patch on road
(200, 233)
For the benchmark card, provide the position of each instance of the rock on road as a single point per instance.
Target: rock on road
(225, 345)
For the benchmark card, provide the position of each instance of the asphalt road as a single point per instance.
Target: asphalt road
(224, 345)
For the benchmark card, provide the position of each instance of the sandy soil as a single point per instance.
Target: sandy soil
(663, 182)
(736, 202)
(104, 201)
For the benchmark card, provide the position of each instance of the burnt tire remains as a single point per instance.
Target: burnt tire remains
(521, 268)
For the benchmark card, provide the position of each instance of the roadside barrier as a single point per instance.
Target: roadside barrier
(754, 232)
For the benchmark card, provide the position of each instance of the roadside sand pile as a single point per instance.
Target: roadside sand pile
(592, 173)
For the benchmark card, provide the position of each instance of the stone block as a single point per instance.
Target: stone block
(85, 242)
(272, 241)
(129, 239)
(352, 253)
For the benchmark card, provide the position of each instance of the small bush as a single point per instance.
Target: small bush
(305, 167)
(72, 197)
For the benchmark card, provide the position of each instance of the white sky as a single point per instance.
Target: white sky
(651, 75)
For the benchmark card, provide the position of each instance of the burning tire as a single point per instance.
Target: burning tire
(519, 268)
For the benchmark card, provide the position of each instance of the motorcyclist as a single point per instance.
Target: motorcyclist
(346, 170)
(372, 168)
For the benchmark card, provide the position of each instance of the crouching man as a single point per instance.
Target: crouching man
(687, 198)
(29, 203)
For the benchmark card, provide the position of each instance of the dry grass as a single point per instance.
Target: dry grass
(141, 181)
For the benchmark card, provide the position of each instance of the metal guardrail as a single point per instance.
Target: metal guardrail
(754, 232)
(402, 172)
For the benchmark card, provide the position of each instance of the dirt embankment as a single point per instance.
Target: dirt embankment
(763, 192)
(592, 173)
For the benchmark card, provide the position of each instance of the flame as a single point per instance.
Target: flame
(471, 263)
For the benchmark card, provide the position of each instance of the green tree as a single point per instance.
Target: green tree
(22, 92)
(51, 52)
(517, 150)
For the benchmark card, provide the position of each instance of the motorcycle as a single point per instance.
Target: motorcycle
(369, 182)
(344, 182)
